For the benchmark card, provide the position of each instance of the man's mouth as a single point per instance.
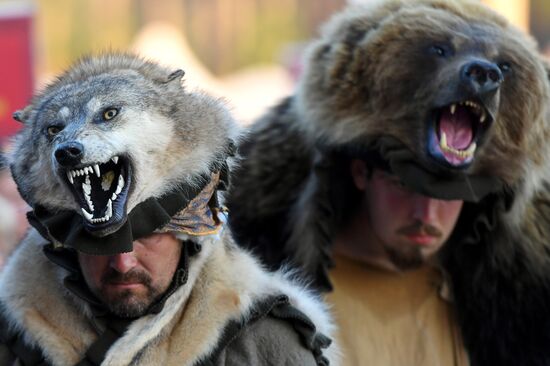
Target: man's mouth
(421, 239)
(131, 279)
(101, 190)
(125, 285)
(455, 131)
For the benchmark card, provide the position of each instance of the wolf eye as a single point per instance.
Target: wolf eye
(110, 113)
(53, 130)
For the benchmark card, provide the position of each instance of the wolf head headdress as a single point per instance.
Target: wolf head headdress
(114, 148)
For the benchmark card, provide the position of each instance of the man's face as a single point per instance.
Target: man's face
(409, 227)
(129, 283)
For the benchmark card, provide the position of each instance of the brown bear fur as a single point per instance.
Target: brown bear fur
(373, 73)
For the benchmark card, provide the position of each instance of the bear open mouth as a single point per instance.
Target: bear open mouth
(101, 190)
(455, 131)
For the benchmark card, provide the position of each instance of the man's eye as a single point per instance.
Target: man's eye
(398, 183)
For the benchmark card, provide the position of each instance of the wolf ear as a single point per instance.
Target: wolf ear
(17, 115)
(20, 115)
(178, 74)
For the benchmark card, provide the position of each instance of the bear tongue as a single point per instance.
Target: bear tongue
(457, 128)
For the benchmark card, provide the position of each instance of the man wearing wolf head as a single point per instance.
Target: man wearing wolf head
(406, 108)
(129, 262)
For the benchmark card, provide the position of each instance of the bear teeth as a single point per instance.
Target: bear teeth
(463, 154)
(475, 107)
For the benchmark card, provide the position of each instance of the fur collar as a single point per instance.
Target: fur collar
(224, 282)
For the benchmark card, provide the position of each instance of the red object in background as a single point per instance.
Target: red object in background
(16, 66)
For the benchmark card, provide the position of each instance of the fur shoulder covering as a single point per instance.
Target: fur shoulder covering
(404, 70)
(226, 290)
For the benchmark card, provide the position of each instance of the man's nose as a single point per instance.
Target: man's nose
(123, 262)
(424, 208)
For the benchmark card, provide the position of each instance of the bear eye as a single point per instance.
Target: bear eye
(53, 130)
(110, 113)
(440, 50)
(504, 67)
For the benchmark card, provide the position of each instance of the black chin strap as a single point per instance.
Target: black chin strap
(428, 179)
(65, 228)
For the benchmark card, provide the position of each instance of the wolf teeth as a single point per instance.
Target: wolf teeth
(106, 180)
(89, 202)
(109, 212)
(453, 108)
(120, 185)
(86, 187)
(87, 215)
(107, 216)
(88, 170)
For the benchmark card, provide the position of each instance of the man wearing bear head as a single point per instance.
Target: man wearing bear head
(411, 116)
(387, 274)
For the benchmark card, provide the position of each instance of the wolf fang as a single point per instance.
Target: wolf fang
(86, 189)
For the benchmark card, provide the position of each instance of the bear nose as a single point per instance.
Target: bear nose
(69, 154)
(481, 77)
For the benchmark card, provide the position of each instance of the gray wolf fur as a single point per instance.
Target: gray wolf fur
(162, 135)
(389, 69)
(132, 119)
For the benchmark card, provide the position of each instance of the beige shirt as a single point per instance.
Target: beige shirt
(393, 319)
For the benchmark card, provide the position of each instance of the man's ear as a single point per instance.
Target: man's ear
(359, 173)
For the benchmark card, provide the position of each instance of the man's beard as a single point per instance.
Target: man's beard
(128, 304)
(405, 259)
(411, 257)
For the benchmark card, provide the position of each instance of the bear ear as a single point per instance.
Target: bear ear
(176, 75)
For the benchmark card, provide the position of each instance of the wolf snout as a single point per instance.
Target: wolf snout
(481, 77)
(69, 154)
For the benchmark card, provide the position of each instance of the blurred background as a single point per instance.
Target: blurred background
(247, 51)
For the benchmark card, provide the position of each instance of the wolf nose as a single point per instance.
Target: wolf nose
(481, 77)
(69, 154)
